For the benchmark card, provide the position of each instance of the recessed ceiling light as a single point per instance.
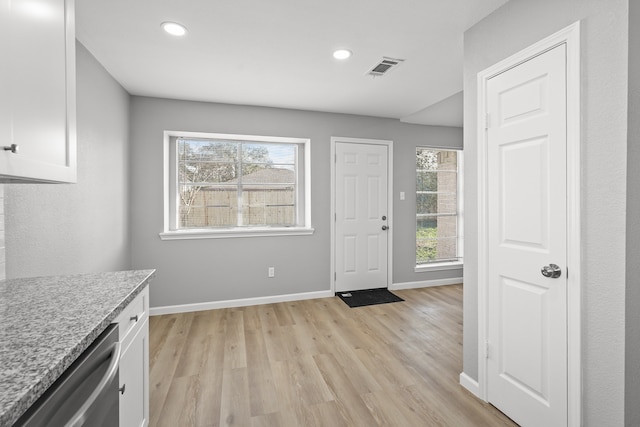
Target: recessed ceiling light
(342, 54)
(174, 28)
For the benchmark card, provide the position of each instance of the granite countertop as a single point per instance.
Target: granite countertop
(47, 322)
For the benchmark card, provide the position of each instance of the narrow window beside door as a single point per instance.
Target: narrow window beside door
(438, 216)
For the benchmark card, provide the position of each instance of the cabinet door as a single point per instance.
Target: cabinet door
(41, 86)
(134, 380)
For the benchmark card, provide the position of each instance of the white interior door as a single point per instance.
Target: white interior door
(527, 230)
(362, 217)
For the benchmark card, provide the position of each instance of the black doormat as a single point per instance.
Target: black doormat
(368, 297)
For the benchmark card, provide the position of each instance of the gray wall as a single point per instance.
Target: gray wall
(516, 25)
(632, 343)
(192, 271)
(83, 227)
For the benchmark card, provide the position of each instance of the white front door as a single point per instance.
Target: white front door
(527, 230)
(362, 217)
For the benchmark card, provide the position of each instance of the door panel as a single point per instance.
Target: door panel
(350, 254)
(523, 101)
(373, 198)
(361, 203)
(523, 359)
(373, 246)
(525, 203)
(527, 336)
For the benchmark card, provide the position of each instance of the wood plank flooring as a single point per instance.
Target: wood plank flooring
(316, 363)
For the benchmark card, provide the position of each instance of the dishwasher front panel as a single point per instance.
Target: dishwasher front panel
(86, 394)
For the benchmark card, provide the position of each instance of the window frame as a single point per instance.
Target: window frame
(171, 196)
(444, 264)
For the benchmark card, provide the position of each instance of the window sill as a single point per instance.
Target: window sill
(439, 266)
(235, 232)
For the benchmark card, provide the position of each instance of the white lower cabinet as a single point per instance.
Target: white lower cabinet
(134, 380)
(134, 362)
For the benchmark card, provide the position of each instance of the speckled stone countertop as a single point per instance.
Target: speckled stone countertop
(47, 322)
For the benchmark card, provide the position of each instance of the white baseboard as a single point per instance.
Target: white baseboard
(425, 284)
(201, 306)
(470, 384)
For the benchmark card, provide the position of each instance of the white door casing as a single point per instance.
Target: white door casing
(361, 215)
(529, 216)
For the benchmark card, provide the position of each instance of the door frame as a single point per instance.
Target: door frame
(332, 212)
(571, 37)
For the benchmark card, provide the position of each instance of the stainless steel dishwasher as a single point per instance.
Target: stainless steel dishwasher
(86, 394)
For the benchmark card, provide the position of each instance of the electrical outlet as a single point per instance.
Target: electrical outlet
(272, 272)
(402, 195)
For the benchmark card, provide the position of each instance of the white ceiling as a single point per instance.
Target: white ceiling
(278, 52)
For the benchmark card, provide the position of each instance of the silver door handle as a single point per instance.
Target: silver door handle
(552, 271)
(13, 148)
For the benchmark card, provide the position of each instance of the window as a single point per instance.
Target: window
(230, 185)
(438, 239)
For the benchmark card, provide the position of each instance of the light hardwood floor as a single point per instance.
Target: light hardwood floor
(316, 363)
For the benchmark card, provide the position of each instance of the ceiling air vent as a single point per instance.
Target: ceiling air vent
(384, 66)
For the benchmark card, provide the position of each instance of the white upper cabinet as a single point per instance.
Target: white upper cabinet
(37, 93)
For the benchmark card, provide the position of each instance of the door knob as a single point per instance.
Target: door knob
(384, 228)
(384, 217)
(13, 148)
(552, 271)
